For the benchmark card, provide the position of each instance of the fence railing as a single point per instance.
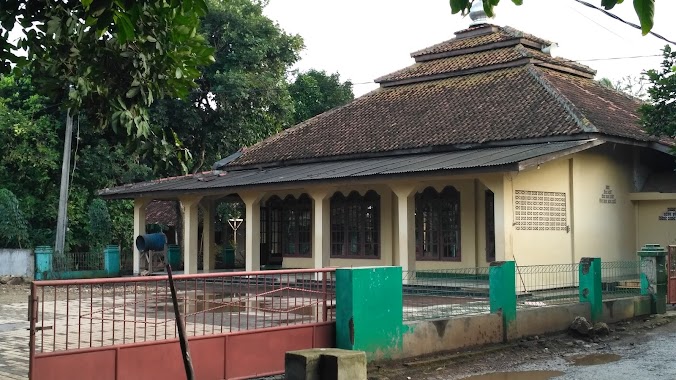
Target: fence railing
(77, 261)
(438, 294)
(620, 278)
(543, 285)
(74, 314)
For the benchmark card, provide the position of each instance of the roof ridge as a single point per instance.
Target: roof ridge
(572, 110)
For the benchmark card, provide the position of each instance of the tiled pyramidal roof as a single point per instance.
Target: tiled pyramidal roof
(488, 84)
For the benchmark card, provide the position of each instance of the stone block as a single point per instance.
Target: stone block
(343, 365)
(302, 364)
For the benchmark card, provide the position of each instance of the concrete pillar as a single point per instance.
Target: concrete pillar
(253, 229)
(369, 310)
(139, 229)
(386, 227)
(504, 215)
(321, 227)
(190, 247)
(502, 295)
(654, 276)
(591, 290)
(208, 235)
(405, 257)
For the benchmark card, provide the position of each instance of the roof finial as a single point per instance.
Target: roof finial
(477, 13)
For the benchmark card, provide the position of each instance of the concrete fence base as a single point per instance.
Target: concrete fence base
(428, 337)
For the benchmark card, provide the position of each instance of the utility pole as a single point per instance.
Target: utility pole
(62, 221)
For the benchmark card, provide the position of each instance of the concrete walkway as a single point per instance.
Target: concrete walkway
(14, 353)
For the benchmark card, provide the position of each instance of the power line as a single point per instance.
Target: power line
(617, 58)
(621, 20)
(595, 22)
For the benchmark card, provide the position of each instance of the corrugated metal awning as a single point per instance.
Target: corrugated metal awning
(515, 158)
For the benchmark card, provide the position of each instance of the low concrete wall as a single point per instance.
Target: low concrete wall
(625, 308)
(16, 262)
(549, 319)
(427, 337)
(451, 334)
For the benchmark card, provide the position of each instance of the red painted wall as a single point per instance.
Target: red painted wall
(238, 355)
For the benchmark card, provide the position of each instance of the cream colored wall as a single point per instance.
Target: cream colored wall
(601, 229)
(539, 247)
(651, 230)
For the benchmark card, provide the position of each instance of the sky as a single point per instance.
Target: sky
(365, 39)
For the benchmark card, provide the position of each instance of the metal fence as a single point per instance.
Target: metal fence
(77, 261)
(445, 293)
(621, 278)
(544, 285)
(73, 314)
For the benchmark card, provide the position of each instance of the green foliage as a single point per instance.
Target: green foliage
(242, 98)
(645, 9)
(314, 92)
(99, 225)
(630, 85)
(31, 139)
(658, 115)
(111, 57)
(13, 225)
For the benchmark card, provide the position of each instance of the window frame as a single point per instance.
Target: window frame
(430, 206)
(355, 214)
(282, 214)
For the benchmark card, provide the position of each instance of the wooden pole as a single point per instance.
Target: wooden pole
(62, 221)
(185, 351)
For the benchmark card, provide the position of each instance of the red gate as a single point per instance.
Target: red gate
(239, 325)
(671, 274)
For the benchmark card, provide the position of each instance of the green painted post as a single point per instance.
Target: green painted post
(591, 289)
(502, 295)
(369, 310)
(654, 276)
(43, 262)
(112, 260)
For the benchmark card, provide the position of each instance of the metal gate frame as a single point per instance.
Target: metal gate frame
(239, 324)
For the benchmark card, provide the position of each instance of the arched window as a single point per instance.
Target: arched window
(437, 224)
(289, 225)
(355, 225)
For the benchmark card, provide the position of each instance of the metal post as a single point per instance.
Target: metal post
(62, 220)
(185, 351)
(32, 317)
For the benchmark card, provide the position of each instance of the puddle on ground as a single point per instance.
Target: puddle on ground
(595, 359)
(521, 375)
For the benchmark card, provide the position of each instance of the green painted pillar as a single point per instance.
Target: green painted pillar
(591, 290)
(654, 276)
(369, 309)
(502, 295)
(111, 257)
(44, 256)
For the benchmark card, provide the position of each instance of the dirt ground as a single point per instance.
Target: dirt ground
(533, 353)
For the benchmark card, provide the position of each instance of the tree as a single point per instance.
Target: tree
(31, 137)
(645, 9)
(13, 226)
(658, 115)
(314, 92)
(242, 98)
(110, 57)
(630, 85)
(99, 225)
